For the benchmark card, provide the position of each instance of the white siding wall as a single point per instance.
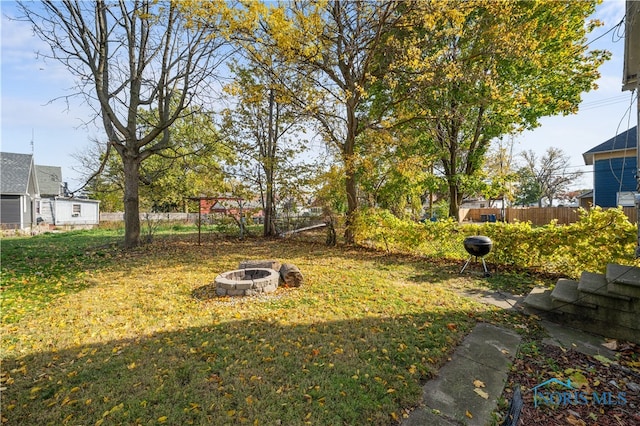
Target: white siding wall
(88, 212)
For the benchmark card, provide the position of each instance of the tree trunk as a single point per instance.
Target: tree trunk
(351, 183)
(131, 201)
(454, 201)
(269, 154)
(352, 206)
(268, 228)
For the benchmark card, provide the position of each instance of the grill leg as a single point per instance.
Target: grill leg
(466, 264)
(484, 266)
(486, 271)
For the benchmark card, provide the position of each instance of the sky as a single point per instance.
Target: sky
(36, 117)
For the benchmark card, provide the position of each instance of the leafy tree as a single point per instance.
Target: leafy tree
(331, 45)
(499, 173)
(466, 72)
(330, 193)
(548, 175)
(190, 167)
(128, 56)
(528, 190)
(392, 174)
(265, 125)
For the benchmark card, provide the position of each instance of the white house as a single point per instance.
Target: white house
(36, 195)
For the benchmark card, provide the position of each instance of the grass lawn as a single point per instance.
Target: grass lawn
(95, 335)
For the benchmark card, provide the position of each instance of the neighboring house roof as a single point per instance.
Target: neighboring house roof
(586, 194)
(625, 141)
(15, 170)
(49, 180)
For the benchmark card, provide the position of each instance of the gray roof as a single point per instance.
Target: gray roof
(625, 141)
(49, 180)
(15, 170)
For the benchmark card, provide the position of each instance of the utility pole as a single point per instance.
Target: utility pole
(631, 81)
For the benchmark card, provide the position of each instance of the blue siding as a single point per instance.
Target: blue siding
(607, 179)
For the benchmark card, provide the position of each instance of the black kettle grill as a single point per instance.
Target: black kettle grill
(477, 246)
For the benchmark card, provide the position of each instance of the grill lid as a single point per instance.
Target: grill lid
(478, 245)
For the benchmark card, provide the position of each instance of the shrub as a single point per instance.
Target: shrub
(599, 237)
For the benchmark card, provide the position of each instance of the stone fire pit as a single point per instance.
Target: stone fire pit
(247, 282)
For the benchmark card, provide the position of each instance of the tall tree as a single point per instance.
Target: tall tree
(466, 72)
(331, 45)
(266, 126)
(550, 173)
(128, 56)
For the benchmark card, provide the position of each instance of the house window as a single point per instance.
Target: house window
(38, 207)
(75, 212)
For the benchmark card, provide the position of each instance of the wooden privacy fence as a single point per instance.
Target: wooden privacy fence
(535, 215)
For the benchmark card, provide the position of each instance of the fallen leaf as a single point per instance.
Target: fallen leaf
(468, 414)
(574, 421)
(612, 344)
(604, 359)
(481, 393)
(477, 383)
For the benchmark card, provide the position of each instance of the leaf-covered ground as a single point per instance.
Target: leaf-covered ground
(95, 335)
(616, 386)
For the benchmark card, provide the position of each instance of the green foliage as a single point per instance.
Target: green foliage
(529, 191)
(599, 237)
(381, 229)
(463, 73)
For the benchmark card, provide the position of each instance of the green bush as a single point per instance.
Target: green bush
(599, 237)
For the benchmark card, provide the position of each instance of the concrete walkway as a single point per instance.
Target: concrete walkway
(457, 395)
(453, 399)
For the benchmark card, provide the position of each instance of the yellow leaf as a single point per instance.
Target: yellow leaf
(391, 390)
(162, 419)
(468, 414)
(481, 393)
(477, 383)
(131, 366)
